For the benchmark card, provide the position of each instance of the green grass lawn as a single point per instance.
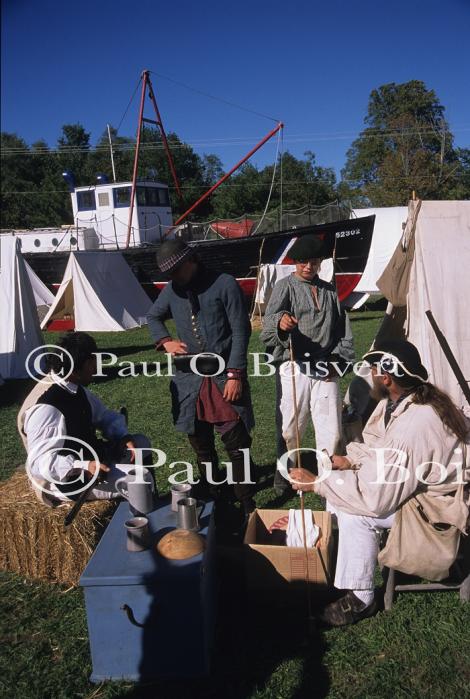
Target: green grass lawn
(419, 649)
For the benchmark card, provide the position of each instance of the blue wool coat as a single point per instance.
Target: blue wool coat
(222, 327)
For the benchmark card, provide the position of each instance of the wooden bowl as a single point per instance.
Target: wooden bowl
(180, 544)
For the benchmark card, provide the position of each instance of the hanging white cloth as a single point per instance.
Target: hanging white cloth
(295, 531)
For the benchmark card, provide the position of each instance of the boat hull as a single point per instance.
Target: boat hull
(348, 241)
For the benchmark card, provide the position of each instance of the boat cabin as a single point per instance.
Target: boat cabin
(101, 215)
(102, 210)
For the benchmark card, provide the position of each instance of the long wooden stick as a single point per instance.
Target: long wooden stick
(302, 501)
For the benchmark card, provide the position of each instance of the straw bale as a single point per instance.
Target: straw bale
(33, 540)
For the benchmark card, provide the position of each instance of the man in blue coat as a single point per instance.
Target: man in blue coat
(209, 312)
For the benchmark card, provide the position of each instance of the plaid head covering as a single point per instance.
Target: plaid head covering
(171, 254)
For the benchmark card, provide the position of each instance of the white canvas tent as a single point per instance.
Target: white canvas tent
(100, 292)
(430, 270)
(42, 295)
(19, 324)
(388, 229)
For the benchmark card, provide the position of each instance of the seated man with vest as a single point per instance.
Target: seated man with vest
(58, 423)
(410, 476)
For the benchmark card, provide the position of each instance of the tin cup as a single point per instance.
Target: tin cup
(178, 492)
(138, 534)
(189, 511)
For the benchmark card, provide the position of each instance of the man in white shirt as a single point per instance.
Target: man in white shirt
(58, 423)
(411, 447)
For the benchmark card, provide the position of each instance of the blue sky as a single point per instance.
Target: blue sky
(311, 64)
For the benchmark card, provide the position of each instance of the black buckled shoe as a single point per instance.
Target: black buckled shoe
(347, 610)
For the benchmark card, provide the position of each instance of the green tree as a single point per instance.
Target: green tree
(406, 146)
(123, 154)
(74, 148)
(18, 189)
(52, 200)
(303, 184)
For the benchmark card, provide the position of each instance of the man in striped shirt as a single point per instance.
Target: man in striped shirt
(304, 314)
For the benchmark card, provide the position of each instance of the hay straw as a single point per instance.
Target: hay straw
(33, 540)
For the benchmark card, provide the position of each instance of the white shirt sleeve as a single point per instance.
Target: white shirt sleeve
(45, 431)
(112, 424)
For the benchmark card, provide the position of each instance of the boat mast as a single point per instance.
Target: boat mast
(147, 85)
(112, 153)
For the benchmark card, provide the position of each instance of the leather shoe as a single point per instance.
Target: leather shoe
(347, 610)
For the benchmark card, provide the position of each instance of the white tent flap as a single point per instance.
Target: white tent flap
(387, 232)
(42, 295)
(440, 282)
(19, 323)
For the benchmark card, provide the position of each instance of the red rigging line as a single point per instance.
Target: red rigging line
(226, 176)
(146, 84)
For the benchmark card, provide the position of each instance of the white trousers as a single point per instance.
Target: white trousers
(316, 399)
(358, 548)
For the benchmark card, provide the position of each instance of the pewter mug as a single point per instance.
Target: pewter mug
(178, 492)
(137, 486)
(189, 511)
(138, 534)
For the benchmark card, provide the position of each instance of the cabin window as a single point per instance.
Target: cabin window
(103, 199)
(152, 196)
(37, 243)
(86, 201)
(145, 196)
(55, 242)
(141, 196)
(73, 240)
(122, 196)
(164, 198)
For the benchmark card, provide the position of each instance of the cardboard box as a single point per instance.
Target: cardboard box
(271, 566)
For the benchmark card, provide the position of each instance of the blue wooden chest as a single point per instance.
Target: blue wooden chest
(149, 617)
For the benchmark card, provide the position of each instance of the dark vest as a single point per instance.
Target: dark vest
(77, 414)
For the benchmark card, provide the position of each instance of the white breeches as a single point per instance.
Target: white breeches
(358, 548)
(316, 398)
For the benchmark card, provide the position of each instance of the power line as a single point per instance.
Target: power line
(213, 143)
(213, 97)
(254, 185)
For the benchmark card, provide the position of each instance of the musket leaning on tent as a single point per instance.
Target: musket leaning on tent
(449, 355)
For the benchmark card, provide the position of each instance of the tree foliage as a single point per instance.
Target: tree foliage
(406, 145)
(35, 193)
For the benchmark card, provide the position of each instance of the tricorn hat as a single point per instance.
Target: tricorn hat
(399, 358)
(171, 254)
(306, 247)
